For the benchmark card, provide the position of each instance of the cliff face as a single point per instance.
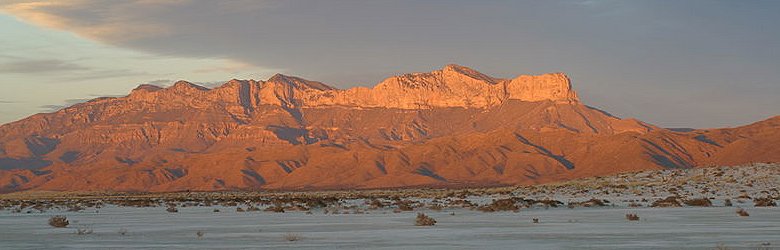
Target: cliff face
(452, 86)
(450, 127)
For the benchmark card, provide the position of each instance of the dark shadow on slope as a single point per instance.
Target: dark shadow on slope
(175, 173)
(380, 164)
(425, 169)
(70, 156)
(244, 97)
(674, 162)
(41, 145)
(704, 139)
(289, 166)
(291, 135)
(23, 163)
(664, 161)
(566, 163)
(253, 177)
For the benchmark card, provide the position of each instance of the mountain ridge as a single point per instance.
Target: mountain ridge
(449, 127)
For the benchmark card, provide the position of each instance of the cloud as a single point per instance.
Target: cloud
(91, 19)
(212, 84)
(71, 102)
(160, 82)
(39, 66)
(76, 72)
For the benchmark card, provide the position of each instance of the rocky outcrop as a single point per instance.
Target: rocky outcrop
(453, 86)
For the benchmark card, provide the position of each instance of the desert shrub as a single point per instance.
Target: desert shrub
(216, 210)
(500, 205)
(535, 220)
(75, 208)
(436, 207)
(727, 203)
(58, 221)
(292, 237)
(632, 217)
(123, 231)
(589, 203)
(255, 209)
(764, 202)
(200, 234)
(546, 202)
(424, 220)
(275, 209)
(742, 212)
(239, 209)
(670, 201)
(83, 230)
(405, 205)
(172, 209)
(376, 203)
(698, 202)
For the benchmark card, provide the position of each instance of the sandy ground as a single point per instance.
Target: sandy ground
(558, 228)
(583, 214)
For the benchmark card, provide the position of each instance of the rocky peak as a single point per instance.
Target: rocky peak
(186, 87)
(454, 71)
(554, 87)
(297, 82)
(451, 86)
(147, 88)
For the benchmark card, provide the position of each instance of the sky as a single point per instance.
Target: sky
(699, 64)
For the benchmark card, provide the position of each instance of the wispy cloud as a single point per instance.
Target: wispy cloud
(161, 82)
(91, 19)
(39, 66)
(71, 102)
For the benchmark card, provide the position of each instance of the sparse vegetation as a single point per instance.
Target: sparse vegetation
(742, 212)
(632, 217)
(275, 209)
(698, 202)
(671, 201)
(764, 202)
(83, 230)
(500, 205)
(424, 220)
(292, 237)
(58, 221)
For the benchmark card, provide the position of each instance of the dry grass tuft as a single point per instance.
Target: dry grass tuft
(698, 202)
(764, 202)
(424, 220)
(58, 221)
(742, 212)
(671, 201)
(632, 217)
(292, 237)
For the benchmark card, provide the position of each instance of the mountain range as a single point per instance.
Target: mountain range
(453, 127)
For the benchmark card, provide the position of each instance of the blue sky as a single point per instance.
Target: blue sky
(671, 63)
